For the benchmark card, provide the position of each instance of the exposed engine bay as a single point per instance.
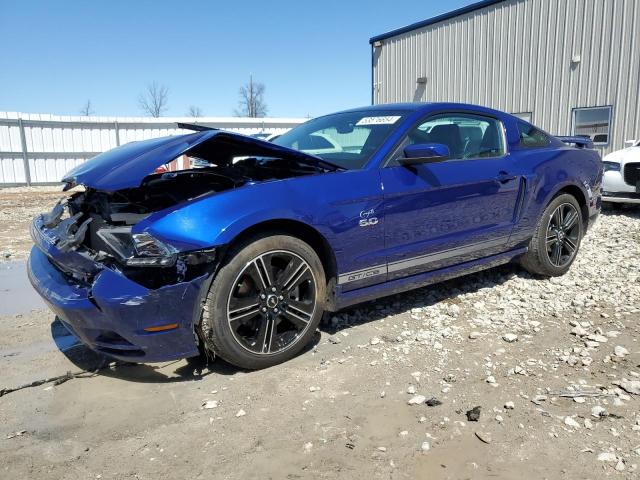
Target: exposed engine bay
(160, 191)
(99, 223)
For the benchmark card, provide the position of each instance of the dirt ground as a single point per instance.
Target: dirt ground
(554, 366)
(18, 206)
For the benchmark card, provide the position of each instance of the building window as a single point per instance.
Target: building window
(592, 122)
(526, 116)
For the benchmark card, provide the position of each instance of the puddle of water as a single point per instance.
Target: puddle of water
(16, 293)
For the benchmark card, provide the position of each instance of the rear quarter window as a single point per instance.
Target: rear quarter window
(531, 137)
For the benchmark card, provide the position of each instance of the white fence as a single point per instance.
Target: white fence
(40, 148)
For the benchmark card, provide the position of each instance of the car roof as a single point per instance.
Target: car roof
(423, 106)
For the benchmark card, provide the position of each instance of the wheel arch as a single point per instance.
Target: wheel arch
(576, 192)
(298, 229)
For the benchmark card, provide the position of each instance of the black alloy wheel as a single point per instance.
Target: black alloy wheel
(265, 302)
(272, 302)
(563, 232)
(556, 238)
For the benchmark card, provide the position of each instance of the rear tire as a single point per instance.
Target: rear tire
(265, 303)
(557, 238)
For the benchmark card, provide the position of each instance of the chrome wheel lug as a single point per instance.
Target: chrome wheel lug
(275, 310)
(280, 297)
(262, 296)
(264, 309)
(273, 289)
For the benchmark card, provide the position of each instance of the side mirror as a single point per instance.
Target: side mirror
(424, 153)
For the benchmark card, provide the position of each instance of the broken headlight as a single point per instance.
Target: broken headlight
(137, 249)
(151, 252)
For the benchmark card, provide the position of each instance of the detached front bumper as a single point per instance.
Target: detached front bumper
(109, 312)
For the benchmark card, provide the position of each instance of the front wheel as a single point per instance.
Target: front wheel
(557, 238)
(265, 303)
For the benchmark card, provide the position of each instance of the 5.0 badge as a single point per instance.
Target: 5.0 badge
(368, 218)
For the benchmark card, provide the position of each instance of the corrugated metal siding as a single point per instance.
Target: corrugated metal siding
(56, 144)
(516, 56)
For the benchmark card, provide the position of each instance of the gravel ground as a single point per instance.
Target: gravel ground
(388, 390)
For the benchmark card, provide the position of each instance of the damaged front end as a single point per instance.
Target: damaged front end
(97, 263)
(104, 232)
(97, 232)
(129, 296)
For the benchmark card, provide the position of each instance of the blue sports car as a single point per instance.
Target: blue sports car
(241, 256)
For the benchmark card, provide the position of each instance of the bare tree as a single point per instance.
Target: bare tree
(251, 103)
(154, 100)
(194, 111)
(87, 109)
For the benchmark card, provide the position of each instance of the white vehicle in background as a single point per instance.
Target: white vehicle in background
(621, 183)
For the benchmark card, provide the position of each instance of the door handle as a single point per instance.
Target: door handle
(504, 177)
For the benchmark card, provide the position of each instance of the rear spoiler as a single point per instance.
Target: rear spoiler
(579, 142)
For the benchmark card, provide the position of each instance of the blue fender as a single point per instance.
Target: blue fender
(217, 219)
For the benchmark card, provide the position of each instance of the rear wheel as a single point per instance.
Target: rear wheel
(265, 303)
(557, 238)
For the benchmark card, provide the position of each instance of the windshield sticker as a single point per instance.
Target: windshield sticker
(387, 120)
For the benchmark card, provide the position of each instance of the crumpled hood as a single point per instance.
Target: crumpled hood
(126, 166)
(630, 154)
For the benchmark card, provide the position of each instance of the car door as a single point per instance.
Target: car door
(449, 212)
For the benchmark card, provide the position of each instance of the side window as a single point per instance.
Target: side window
(526, 116)
(531, 137)
(467, 136)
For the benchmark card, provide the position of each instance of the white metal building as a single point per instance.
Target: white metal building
(568, 66)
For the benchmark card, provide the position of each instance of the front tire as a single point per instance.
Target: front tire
(557, 238)
(265, 303)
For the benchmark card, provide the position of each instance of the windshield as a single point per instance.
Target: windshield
(348, 140)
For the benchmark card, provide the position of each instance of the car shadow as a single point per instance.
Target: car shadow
(400, 303)
(190, 369)
(631, 210)
(81, 356)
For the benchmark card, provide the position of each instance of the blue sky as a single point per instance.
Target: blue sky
(313, 57)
